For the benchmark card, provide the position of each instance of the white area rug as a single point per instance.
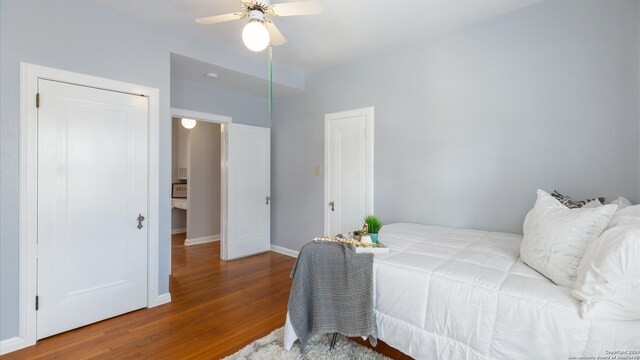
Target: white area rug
(272, 347)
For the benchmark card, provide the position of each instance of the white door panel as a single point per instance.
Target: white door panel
(348, 170)
(92, 185)
(248, 186)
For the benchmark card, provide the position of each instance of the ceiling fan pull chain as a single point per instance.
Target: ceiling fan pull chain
(270, 82)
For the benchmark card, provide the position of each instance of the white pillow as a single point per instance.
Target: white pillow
(608, 281)
(621, 202)
(629, 215)
(556, 238)
(592, 204)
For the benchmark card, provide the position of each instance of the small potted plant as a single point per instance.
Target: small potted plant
(374, 224)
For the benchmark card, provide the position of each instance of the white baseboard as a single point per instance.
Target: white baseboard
(178, 231)
(284, 251)
(161, 300)
(13, 344)
(202, 240)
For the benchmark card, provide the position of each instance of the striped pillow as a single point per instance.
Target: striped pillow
(572, 204)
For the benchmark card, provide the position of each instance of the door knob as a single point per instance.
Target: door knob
(332, 204)
(268, 199)
(140, 220)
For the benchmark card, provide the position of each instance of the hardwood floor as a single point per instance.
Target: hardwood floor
(217, 308)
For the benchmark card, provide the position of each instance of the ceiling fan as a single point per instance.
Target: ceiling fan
(260, 31)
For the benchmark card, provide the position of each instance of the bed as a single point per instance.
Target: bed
(444, 293)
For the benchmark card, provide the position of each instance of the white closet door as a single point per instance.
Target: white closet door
(92, 187)
(348, 170)
(248, 189)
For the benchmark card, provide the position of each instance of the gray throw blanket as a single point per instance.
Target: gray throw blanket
(332, 291)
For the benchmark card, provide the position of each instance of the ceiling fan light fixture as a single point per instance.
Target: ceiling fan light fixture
(255, 36)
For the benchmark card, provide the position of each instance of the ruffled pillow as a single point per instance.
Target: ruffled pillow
(622, 203)
(608, 278)
(628, 216)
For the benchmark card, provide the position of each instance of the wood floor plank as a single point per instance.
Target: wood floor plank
(217, 308)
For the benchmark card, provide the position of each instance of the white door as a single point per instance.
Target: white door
(348, 170)
(248, 188)
(92, 187)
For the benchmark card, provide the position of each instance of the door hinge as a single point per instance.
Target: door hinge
(38, 100)
(37, 302)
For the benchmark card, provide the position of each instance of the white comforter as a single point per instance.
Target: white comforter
(445, 293)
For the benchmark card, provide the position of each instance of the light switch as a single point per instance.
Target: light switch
(317, 170)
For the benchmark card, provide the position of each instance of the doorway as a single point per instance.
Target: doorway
(348, 180)
(196, 203)
(244, 225)
(192, 135)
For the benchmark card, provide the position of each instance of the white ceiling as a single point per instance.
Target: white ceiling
(346, 30)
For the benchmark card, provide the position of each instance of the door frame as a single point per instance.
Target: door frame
(367, 112)
(29, 76)
(224, 121)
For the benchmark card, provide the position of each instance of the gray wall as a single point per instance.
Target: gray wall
(470, 123)
(243, 108)
(203, 216)
(86, 37)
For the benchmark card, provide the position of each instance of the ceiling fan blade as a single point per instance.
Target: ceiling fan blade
(311, 7)
(275, 35)
(220, 18)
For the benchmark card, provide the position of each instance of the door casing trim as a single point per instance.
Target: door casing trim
(367, 112)
(29, 75)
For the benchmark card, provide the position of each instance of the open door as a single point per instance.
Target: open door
(246, 189)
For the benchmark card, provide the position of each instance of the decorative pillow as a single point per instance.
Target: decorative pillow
(608, 281)
(572, 204)
(556, 238)
(622, 203)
